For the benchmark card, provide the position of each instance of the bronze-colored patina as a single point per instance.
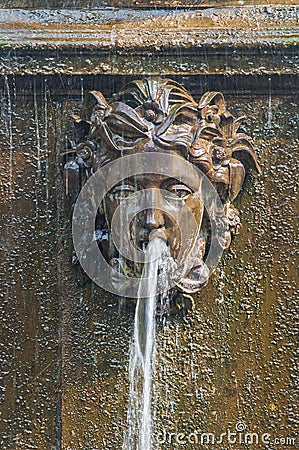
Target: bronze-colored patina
(159, 115)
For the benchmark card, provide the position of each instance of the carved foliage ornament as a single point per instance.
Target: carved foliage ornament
(159, 115)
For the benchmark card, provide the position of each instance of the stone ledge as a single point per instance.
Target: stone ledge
(204, 60)
(135, 3)
(245, 40)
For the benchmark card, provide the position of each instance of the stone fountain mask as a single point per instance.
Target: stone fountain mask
(159, 116)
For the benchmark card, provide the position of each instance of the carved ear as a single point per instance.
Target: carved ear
(94, 99)
(212, 99)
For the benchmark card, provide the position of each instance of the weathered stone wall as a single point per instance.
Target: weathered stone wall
(30, 318)
(230, 361)
(64, 357)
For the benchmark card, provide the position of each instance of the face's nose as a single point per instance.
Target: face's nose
(153, 216)
(154, 219)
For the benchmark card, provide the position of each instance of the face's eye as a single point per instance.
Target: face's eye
(178, 192)
(122, 191)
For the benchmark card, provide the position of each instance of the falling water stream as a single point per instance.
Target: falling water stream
(143, 351)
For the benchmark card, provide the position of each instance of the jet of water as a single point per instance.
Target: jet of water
(143, 351)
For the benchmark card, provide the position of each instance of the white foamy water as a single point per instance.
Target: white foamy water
(143, 352)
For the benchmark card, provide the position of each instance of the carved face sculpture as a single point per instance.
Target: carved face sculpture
(159, 116)
(167, 198)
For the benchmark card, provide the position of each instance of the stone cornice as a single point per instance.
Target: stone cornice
(212, 40)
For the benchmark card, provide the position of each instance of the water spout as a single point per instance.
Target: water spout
(143, 351)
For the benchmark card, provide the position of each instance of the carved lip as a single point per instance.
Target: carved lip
(145, 236)
(158, 233)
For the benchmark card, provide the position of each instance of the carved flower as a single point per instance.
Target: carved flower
(211, 107)
(85, 150)
(221, 155)
(233, 218)
(153, 113)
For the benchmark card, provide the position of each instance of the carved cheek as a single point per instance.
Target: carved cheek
(110, 206)
(195, 205)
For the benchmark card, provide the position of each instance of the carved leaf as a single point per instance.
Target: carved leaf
(243, 151)
(107, 138)
(209, 99)
(237, 124)
(187, 111)
(82, 127)
(236, 178)
(123, 118)
(93, 99)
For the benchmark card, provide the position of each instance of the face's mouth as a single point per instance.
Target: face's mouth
(158, 233)
(189, 275)
(145, 236)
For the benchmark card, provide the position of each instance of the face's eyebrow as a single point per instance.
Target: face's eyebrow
(155, 180)
(148, 179)
(121, 186)
(172, 180)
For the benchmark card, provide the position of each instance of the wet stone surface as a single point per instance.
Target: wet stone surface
(29, 279)
(131, 3)
(65, 347)
(124, 29)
